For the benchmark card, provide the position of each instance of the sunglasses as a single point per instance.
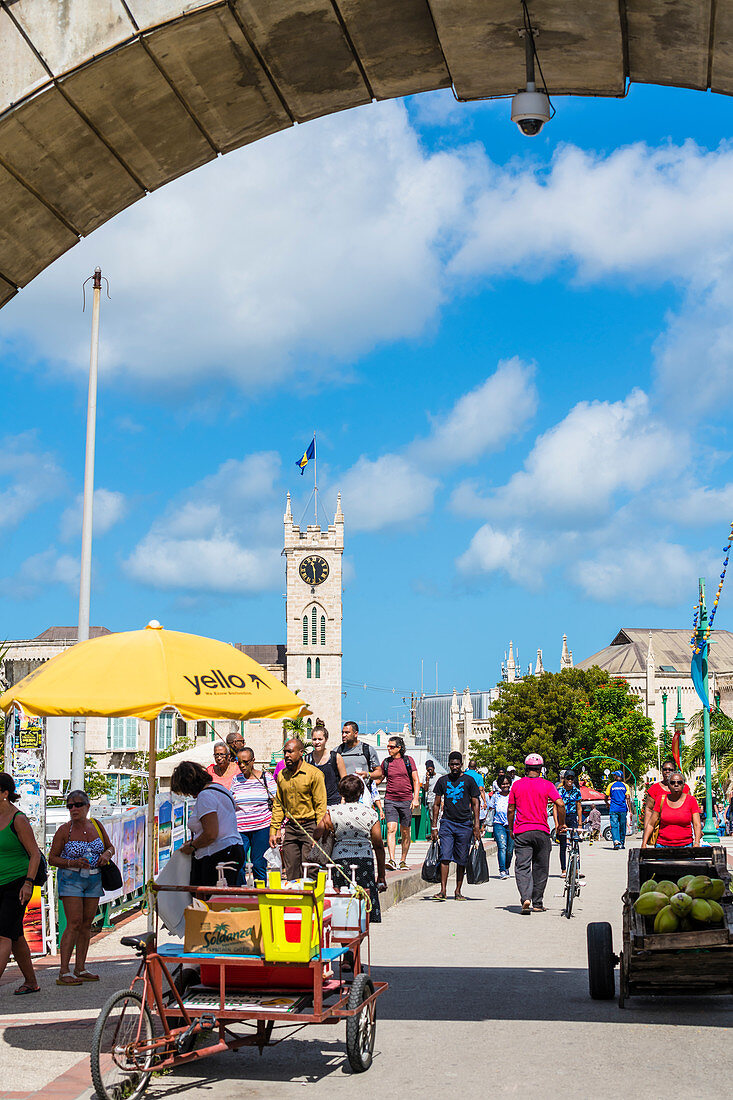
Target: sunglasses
(75, 805)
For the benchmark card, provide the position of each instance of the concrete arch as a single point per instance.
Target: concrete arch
(102, 101)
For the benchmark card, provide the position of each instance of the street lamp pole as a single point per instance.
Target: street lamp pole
(78, 750)
(709, 833)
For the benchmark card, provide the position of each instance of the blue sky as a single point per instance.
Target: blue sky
(517, 354)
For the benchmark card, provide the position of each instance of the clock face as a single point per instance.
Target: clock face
(313, 569)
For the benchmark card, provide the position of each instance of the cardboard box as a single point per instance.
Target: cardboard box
(223, 931)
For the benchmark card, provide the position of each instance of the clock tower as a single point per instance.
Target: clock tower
(313, 610)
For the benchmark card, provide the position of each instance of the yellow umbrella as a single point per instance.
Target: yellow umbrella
(139, 673)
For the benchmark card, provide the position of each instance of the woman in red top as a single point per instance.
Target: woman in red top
(678, 816)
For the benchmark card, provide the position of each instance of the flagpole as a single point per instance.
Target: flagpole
(315, 478)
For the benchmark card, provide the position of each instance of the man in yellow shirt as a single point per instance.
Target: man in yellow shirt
(301, 802)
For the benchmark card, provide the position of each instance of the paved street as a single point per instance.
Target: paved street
(479, 997)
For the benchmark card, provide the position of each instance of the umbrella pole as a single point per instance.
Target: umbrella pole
(149, 850)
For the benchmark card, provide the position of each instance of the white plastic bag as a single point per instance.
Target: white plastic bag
(173, 904)
(274, 859)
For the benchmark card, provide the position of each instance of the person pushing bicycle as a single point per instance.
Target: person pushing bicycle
(571, 796)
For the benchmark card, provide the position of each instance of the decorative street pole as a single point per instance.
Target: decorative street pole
(679, 721)
(702, 644)
(78, 750)
(664, 719)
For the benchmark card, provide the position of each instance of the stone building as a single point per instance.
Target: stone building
(656, 662)
(309, 661)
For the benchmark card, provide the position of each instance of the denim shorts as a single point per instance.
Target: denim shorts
(72, 885)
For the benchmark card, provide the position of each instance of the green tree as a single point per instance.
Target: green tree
(565, 717)
(96, 783)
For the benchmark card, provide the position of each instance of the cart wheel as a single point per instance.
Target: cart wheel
(601, 979)
(123, 1024)
(607, 834)
(361, 1028)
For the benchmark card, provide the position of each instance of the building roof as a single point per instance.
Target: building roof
(627, 653)
(264, 654)
(61, 634)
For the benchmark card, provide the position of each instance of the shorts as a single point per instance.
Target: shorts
(455, 842)
(399, 811)
(11, 909)
(71, 884)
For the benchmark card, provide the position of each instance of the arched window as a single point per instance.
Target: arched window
(308, 668)
(305, 630)
(323, 629)
(318, 668)
(309, 725)
(314, 621)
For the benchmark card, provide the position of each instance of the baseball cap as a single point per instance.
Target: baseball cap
(511, 768)
(620, 774)
(534, 760)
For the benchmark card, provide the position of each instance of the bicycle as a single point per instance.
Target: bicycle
(572, 873)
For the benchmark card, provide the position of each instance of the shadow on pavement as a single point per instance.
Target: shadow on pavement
(541, 994)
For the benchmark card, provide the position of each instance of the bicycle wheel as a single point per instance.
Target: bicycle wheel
(571, 885)
(361, 1029)
(118, 1073)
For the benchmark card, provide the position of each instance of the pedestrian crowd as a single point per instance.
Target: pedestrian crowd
(325, 807)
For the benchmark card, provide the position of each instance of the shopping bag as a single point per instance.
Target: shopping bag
(477, 868)
(172, 906)
(431, 865)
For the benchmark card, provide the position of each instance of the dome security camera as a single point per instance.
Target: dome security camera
(530, 110)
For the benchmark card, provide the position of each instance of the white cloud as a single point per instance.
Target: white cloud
(40, 570)
(482, 420)
(318, 243)
(28, 478)
(385, 492)
(217, 563)
(696, 505)
(657, 573)
(108, 508)
(512, 552)
(576, 468)
(221, 535)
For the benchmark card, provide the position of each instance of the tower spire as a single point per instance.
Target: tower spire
(288, 517)
(566, 658)
(339, 517)
(539, 667)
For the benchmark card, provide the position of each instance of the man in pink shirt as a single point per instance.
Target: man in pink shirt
(527, 821)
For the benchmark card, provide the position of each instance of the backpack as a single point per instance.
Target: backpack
(387, 761)
(369, 755)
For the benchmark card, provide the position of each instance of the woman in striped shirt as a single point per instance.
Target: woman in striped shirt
(253, 793)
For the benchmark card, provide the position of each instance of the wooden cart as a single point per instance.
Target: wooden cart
(651, 964)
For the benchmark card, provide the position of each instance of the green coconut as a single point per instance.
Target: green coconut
(718, 890)
(666, 886)
(701, 911)
(717, 911)
(666, 920)
(650, 884)
(649, 904)
(685, 881)
(700, 887)
(681, 904)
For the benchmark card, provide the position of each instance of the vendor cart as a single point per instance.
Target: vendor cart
(699, 961)
(185, 1005)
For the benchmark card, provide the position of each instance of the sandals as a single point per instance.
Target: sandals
(391, 865)
(25, 988)
(85, 976)
(539, 909)
(438, 897)
(526, 908)
(403, 866)
(459, 897)
(68, 979)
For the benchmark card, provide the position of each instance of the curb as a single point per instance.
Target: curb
(402, 885)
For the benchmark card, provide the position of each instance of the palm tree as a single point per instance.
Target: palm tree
(721, 744)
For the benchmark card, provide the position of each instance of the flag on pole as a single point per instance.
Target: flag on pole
(308, 454)
(676, 749)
